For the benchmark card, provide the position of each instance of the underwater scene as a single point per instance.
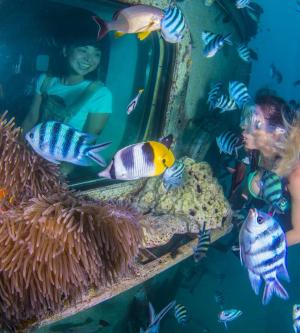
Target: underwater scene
(149, 160)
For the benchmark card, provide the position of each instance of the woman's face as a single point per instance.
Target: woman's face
(83, 59)
(258, 134)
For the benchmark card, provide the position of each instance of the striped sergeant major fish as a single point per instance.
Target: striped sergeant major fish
(58, 142)
(243, 4)
(296, 318)
(181, 314)
(243, 52)
(174, 176)
(155, 319)
(201, 248)
(263, 252)
(173, 24)
(213, 94)
(238, 92)
(132, 105)
(213, 43)
(145, 159)
(225, 103)
(229, 315)
(229, 143)
(272, 192)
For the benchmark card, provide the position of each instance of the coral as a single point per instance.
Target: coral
(54, 248)
(199, 200)
(23, 174)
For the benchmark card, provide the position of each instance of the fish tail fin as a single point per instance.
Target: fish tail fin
(271, 288)
(227, 39)
(93, 150)
(225, 324)
(102, 25)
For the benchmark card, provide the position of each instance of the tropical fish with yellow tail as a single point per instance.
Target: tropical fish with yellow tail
(145, 159)
(139, 19)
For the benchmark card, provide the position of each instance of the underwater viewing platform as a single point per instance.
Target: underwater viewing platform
(67, 247)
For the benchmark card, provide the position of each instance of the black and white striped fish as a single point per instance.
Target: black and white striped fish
(173, 24)
(225, 103)
(213, 94)
(244, 52)
(296, 318)
(58, 142)
(214, 43)
(242, 4)
(174, 176)
(229, 143)
(181, 314)
(202, 246)
(207, 36)
(263, 252)
(238, 92)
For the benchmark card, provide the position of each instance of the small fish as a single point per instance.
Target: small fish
(215, 44)
(132, 105)
(263, 252)
(174, 176)
(298, 6)
(238, 92)
(225, 103)
(155, 319)
(275, 74)
(173, 24)
(202, 246)
(103, 323)
(138, 19)
(243, 52)
(213, 94)
(229, 315)
(272, 192)
(208, 3)
(180, 313)
(229, 143)
(207, 36)
(296, 318)
(219, 298)
(296, 83)
(57, 142)
(145, 159)
(242, 4)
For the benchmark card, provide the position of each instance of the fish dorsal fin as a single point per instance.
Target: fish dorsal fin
(119, 34)
(167, 140)
(151, 313)
(143, 35)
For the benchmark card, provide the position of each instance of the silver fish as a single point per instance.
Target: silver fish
(296, 318)
(225, 103)
(132, 105)
(212, 46)
(181, 314)
(213, 94)
(229, 143)
(174, 176)
(263, 252)
(57, 142)
(155, 319)
(238, 92)
(173, 24)
(228, 315)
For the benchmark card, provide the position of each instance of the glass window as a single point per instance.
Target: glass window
(42, 40)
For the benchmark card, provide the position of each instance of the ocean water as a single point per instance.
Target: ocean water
(127, 66)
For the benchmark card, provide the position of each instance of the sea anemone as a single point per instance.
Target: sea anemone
(54, 248)
(23, 174)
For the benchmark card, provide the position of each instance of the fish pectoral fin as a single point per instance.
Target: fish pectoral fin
(255, 281)
(119, 34)
(143, 35)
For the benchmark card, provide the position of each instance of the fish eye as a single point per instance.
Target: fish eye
(31, 135)
(258, 124)
(259, 219)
